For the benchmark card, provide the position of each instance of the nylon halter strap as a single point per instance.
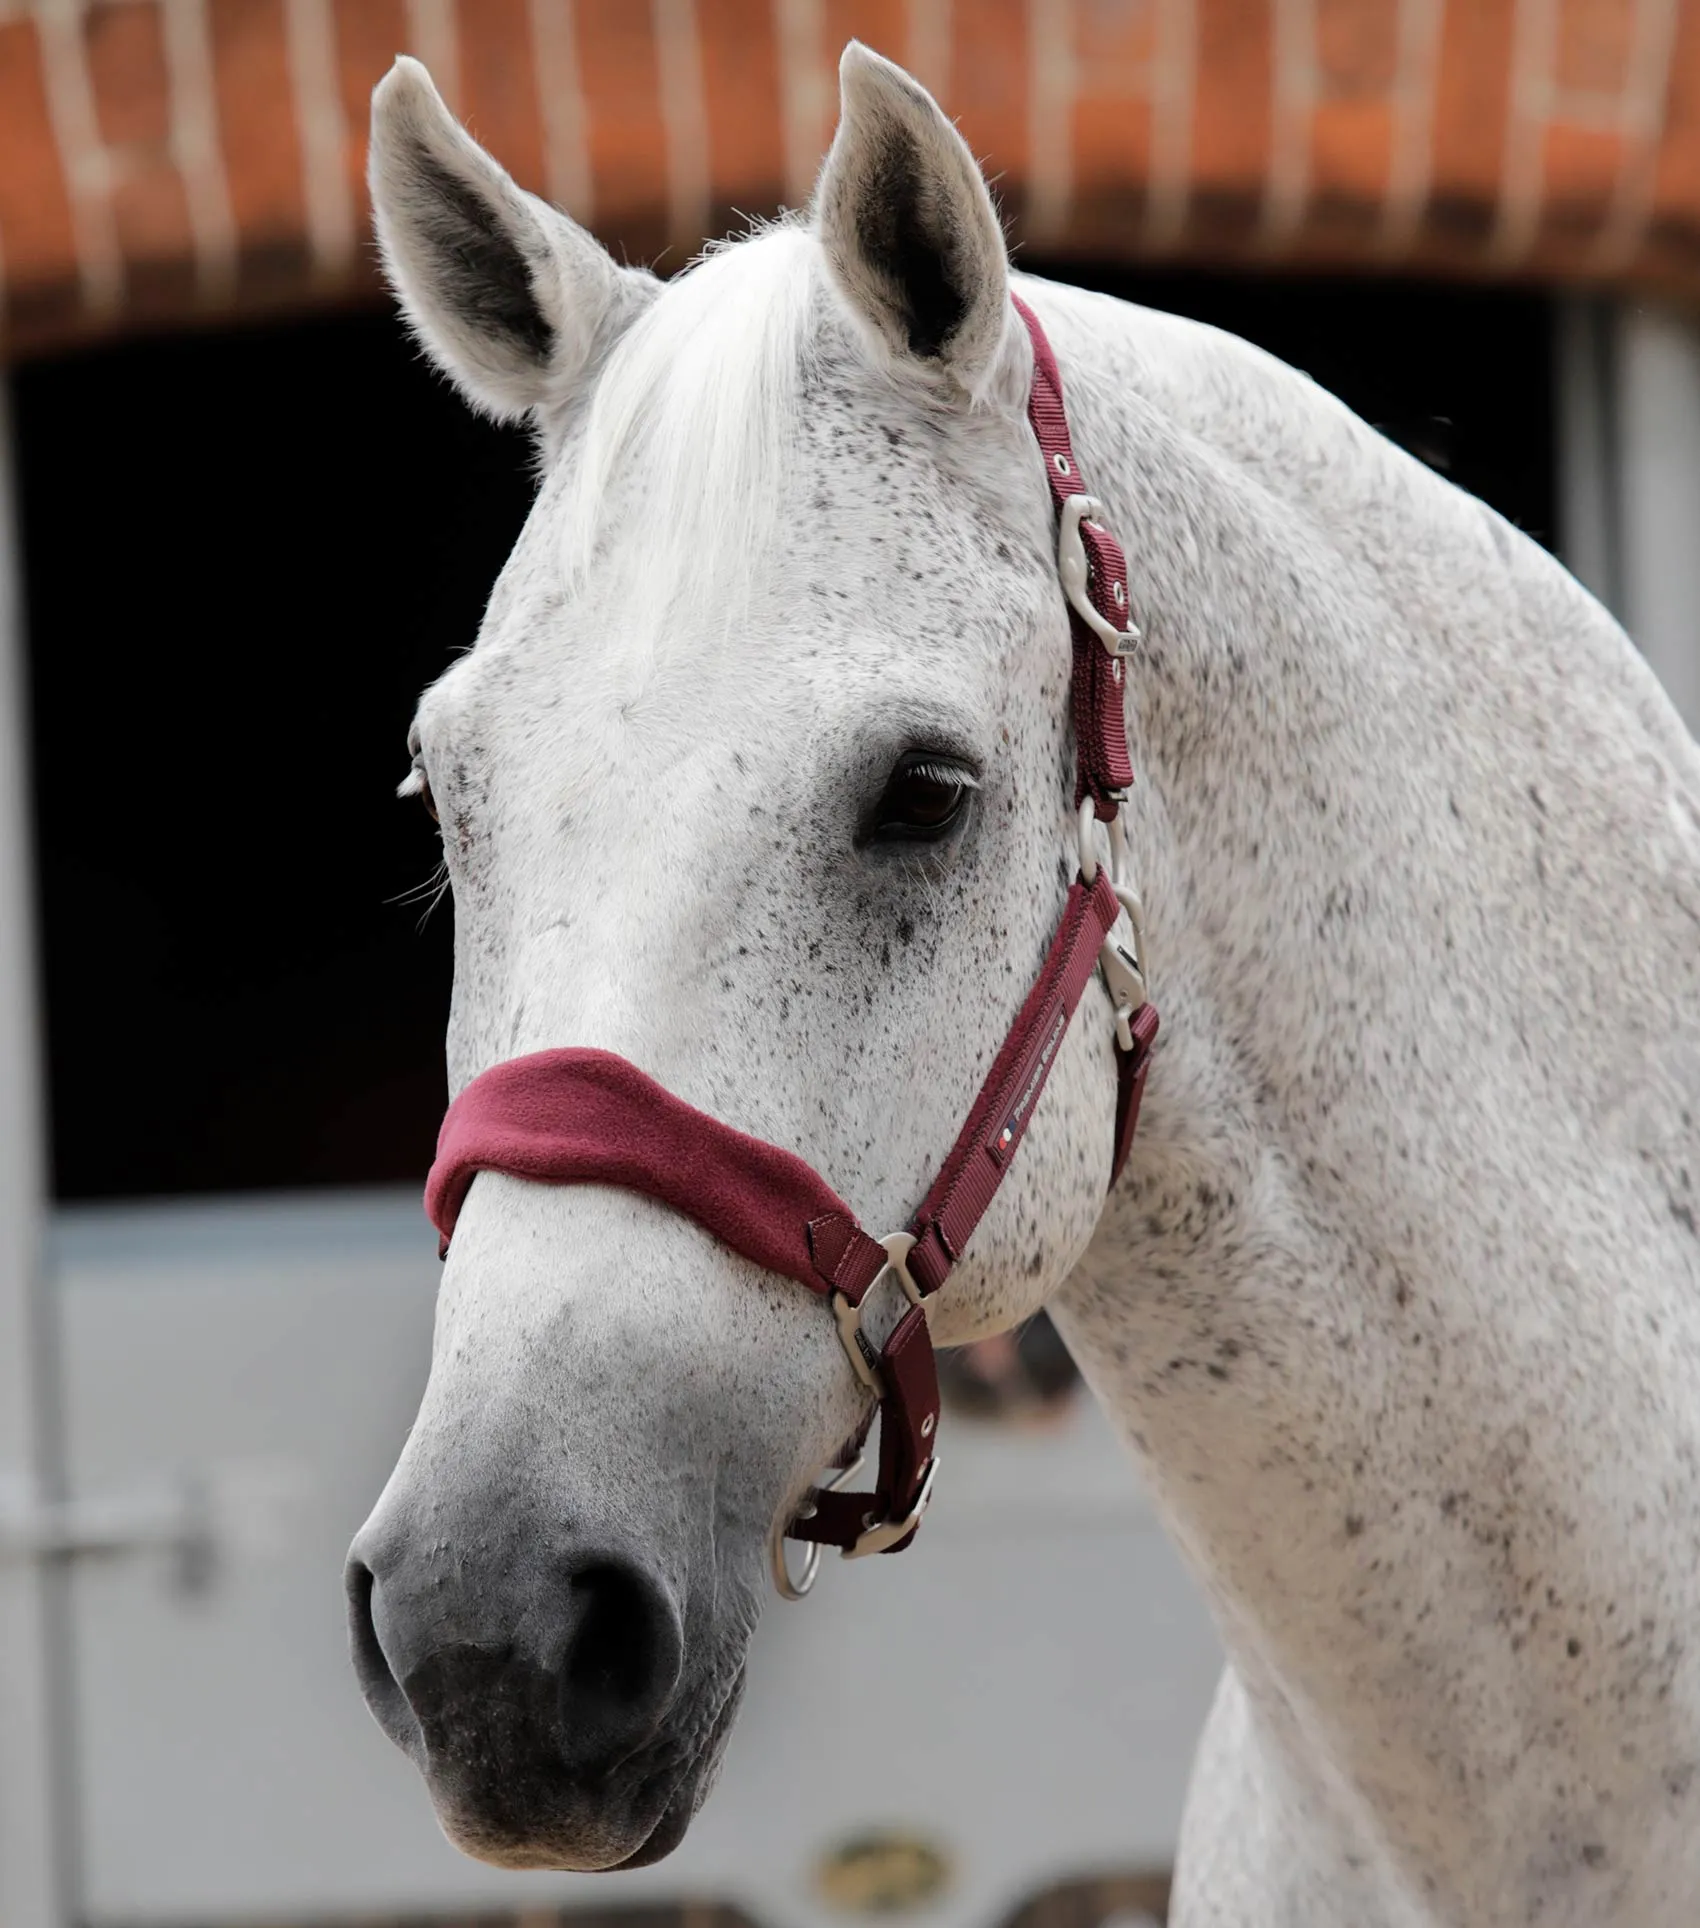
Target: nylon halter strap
(578, 1116)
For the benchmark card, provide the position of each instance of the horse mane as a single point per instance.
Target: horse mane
(701, 399)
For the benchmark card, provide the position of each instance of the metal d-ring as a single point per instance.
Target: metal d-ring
(1116, 830)
(1088, 843)
(1123, 967)
(796, 1589)
(848, 1314)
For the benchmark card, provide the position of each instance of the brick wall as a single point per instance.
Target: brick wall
(167, 159)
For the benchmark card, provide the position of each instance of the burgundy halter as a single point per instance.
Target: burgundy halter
(579, 1116)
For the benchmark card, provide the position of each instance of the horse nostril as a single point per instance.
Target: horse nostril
(377, 1679)
(621, 1662)
(448, 1679)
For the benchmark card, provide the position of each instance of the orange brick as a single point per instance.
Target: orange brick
(1593, 45)
(256, 102)
(498, 86)
(1232, 120)
(628, 150)
(1345, 116)
(989, 90)
(1676, 176)
(880, 24)
(1470, 121)
(126, 64)
(369, 35)
(1580, 169)
(127, 72)
(37, 239)
(740, 75)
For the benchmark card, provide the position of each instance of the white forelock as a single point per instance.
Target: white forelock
(701, 399)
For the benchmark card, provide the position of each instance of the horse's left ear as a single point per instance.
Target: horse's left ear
(908, 225)
(511, 299)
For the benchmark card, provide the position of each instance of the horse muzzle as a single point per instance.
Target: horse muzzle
(544, 1731)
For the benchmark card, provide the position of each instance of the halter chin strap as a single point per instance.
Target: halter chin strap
(576, 1117)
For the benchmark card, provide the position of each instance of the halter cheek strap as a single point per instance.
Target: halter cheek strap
(576, 1116)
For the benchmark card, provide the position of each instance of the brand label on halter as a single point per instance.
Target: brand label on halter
(1005, 1139)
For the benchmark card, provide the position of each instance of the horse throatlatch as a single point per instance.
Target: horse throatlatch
(589, 1117)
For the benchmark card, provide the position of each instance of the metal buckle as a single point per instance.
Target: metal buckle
(864, 1361)
(1123, 965)
(898, 1246)
(1121, 957)
(881, 1534)
(790, 1589)
(1073, 570)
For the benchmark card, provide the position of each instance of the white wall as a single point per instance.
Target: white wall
(1629, 462)
(1659, 377)
(34, 1845)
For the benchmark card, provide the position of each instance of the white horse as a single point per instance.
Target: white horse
(758, 775)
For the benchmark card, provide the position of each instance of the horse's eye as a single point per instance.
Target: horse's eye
(924, 800)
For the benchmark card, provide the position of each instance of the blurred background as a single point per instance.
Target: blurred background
(241, 525)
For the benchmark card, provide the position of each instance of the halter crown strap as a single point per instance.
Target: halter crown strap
(1103, 768)
(577, 1116)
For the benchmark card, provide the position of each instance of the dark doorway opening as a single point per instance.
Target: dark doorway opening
(245, 554)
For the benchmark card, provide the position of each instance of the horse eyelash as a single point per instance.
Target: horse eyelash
(944, 773)
(413, 784)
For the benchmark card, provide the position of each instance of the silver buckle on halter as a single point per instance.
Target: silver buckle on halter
(864, 1361)
(883, 1534)
(1073, 570)
(1121, 957)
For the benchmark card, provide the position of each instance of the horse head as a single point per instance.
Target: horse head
(757, 776)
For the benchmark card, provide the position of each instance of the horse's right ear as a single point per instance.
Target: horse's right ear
(511, 299)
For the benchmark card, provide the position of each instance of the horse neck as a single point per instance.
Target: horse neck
(1399, 1302)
